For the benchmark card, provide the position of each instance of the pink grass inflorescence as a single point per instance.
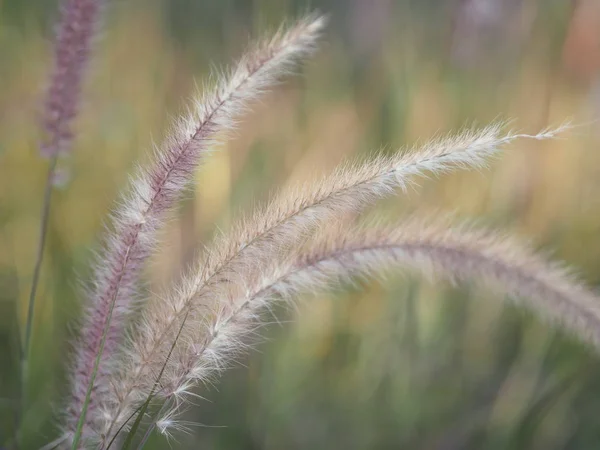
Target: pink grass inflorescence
(75, 32)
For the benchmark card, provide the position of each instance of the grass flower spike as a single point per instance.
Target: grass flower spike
(138, 353)
(75, 33)
(154, 192)
(454, 253)
(236, 262)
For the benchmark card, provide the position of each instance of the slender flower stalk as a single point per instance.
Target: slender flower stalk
(284, 222)
(154, 192)
(37, 270)
(451, 253)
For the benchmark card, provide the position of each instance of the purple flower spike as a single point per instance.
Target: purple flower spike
(75, 31)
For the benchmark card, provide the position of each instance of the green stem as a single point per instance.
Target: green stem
(40, 253)
(43, 232)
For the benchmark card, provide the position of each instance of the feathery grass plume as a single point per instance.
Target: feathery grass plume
(451, 253)
(154, 192)
(74, 35)
(255, 242)
(354, 186)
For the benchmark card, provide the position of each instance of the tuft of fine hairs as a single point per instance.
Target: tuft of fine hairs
(153, 193)
(297, 243)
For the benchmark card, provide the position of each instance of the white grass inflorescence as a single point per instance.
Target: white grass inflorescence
(297, 243)
(439, 249)
(255, 242)
(154, 191)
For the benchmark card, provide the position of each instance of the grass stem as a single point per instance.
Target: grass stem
(43, 232)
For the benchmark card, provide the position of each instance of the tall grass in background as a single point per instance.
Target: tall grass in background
(208, 204)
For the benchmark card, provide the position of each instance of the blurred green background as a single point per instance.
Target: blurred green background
(397, 364)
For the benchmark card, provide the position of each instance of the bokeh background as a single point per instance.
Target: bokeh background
(397, 364)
